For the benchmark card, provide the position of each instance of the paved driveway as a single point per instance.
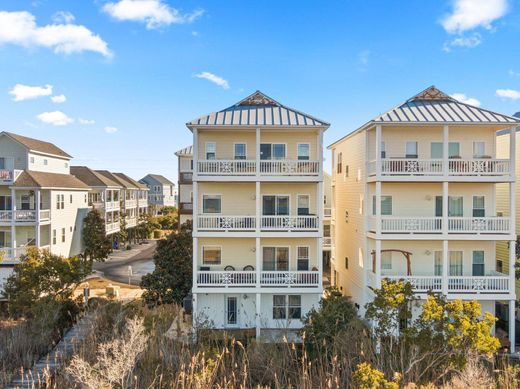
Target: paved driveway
(139, 258)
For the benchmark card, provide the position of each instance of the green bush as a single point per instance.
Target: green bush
(157, 234)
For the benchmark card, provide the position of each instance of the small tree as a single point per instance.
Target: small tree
(146, 225)
(40, 277)
(171, 279)
(335, 315)
(97, 244)
(122, 235)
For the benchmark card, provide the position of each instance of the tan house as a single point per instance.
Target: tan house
(185, 192)
(415, 198)
(257, 211)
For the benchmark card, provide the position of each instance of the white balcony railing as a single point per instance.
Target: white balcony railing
(290, 223)
(131, 222)
(290, 278)
(457, 284)
(132, 203)
(227, 167)
(97, 204)
(45, 214)
(219, 222)
(290, 168)
(425, 225)
(24, 215)
(435, 167)
(112, 227)
(6, 216)
(112, 205)
(226, 278)
(239, 167)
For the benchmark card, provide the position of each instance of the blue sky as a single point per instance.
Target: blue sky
(133, 72)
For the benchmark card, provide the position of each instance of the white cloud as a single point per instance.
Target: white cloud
(154, 13)
(465, 99)
(19, 28)
(110, 130)
(56, 118)
(471, 41)
(470, 14)
(22, 92)
(58, 99)
(214, 79)
(64, 17)
(86, 122)
(512, 73)
(508, 94)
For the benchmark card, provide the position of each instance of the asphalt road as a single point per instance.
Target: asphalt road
(116, 268)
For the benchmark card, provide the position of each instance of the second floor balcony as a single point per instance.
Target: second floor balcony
(232, 278)
(285, 223)
(25, 216)
(282, 167)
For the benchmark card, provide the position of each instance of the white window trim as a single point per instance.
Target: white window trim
(276, 263)
(234, 149)
(206, 149)
(298, 149)
(298, 257)
(226, 324)
(473, 148)
(272, 144)
(212, 194)
(416, 147)
(298, 200)
(276, 195)
(211, 246)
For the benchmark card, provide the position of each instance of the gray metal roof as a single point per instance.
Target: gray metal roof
(434, 106)
(257, 110)
(185, 152)
(157, 178)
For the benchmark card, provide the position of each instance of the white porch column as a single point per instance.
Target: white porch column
(258, 203)
(37, 227)
(258, 317)
(445, 208)
(320, 153)
(258, 261)
(378, 152)
(257, 152)
(378, 263)
(195, 261)
(195, 153)
(319, 255)
(512, 208)
(194, 317)
(445, 150)
(445, 267)
(378, 208)
(512, 151)
(512, 262)
(13, 227)
(512, 335)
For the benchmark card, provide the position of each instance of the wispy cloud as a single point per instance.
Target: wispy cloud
(86, 122)
(20, 28)
(22, 92)
(468, 41)
(64, 17)
(110, 129)
(509, 94)
(59, 99)
(154, 13)
(214, 79)
(512, 73)
(468, 15)
(55, 118)
(465, 99)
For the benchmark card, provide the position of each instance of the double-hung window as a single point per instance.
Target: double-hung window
(437, 267)
(411, 149)
(386, 205)
(303, 151)
(275, 258)
(240, 151)
(455, 206)
(478, 263)
(287, 307)
(63, 235)
(211, 204)
(479, 209)
(303, 204)
(211, 149)
(26, 202)
(386, 261)
(454, 150)
(303, 258)
(211, 255)
(339, 163)
(479, 149)
(436, 150)
(455, 263)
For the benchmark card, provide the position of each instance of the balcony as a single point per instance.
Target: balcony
(10, 253)
(130, 203)
(249, 279)
(249, 223)
(9, 176)
(131, 222)
(185, 177)
(112, 227)
(24, 216)
(434, 225)
(112, 205)
(264, 168)
(186, 208)
(411, 167)
(496, 283)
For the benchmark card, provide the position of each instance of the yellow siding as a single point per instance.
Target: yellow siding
(349, 233)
